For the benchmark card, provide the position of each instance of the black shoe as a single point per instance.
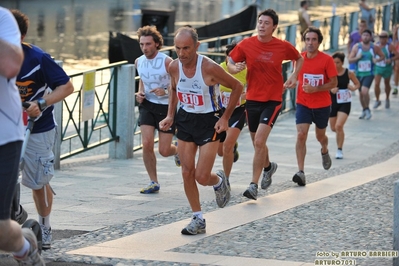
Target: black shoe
(299, 178)
(21, 216)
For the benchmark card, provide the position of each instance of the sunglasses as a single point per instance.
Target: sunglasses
(383, 36)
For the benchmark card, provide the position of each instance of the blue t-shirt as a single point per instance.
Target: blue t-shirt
(39, 75)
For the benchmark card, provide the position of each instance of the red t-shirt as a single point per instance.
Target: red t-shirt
(264, 66)
(316, 71)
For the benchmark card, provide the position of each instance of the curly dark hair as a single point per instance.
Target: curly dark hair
(151, 31)
(315, 30)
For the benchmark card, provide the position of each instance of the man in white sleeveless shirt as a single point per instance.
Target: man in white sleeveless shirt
(200, 121)
(152, 96)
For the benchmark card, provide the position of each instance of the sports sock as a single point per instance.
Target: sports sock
(198, 214)
(219, 183)
(267, 168)
(254, 184)
(24, 249)
(45, 221)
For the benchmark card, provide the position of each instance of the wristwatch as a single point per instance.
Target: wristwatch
(42, 104)
(166, 91)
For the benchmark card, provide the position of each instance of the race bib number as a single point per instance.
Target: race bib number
(344, 96)
(192, 100)
(313, 79)
(364, 65)
(381, 63)
(226, 98)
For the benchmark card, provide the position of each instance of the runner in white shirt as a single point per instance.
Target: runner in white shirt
(152, 97)
(200, 120)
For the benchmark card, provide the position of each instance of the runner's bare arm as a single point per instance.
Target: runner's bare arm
(356, 82)
(292, 79)
(380, 53)
(215, 74)
(57, 95)
(394, 52)
(12, 56)
(352, 58)
(173, 69)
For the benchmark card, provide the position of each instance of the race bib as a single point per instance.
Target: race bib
(344, 96)
(193, 100)
(313, 79)
(226, 98)
(381, 63)
(364, 65)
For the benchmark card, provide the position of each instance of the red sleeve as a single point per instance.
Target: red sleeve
(237, 54)
(291, 52)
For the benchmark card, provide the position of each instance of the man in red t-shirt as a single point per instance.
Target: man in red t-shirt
(317, 76)
(263, 55)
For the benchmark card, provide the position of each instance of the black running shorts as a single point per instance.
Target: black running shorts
(198, 128)
(262, 113)
(9, 162)
(151, 114)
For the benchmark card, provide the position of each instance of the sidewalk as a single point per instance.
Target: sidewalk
(99, 216)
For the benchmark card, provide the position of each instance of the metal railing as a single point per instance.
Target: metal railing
(78, 136)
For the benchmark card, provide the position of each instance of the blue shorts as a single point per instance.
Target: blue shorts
(319, 116)
(365, 81)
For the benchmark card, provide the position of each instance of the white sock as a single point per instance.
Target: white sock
(24, 249)
(219, 183)
(198, 214)
(45, 221)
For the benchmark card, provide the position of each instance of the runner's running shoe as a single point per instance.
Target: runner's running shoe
(47, 236)
(21, 216)
(251, 192)
(299, 178)
(196, 226)
(32, 257)
(152, 188)
(176, 156)
(267, 176)
(326, 160)
(222, 192)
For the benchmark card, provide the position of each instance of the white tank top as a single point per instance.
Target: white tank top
(194, 95)
(154, 75)
(12, 127)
